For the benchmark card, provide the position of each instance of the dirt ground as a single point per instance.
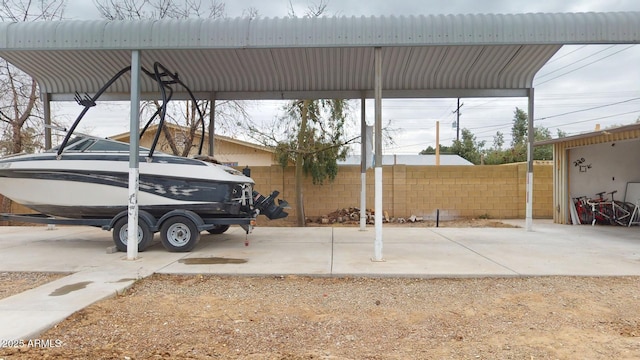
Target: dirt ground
(293, 317)
(213, 317)
(462, 222)
(15, 283)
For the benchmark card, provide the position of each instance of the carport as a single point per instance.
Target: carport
(294, 58)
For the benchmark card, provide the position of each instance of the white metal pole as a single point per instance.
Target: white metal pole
(134, 171)
(46, 110)
(530, 140)
(212, 122)
(378, 167)
(363, 164)
(437, 143)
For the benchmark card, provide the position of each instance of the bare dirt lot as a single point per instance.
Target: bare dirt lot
(292, 317)
(203, 317)
(15, 283)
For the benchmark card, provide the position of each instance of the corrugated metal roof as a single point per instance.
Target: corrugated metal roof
(620, 133)
(423, 56)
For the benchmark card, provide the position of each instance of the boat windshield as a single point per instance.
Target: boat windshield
(84, 144)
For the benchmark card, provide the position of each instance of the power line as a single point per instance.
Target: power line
(602, 117)
(565, 55)
(575, 62)
(592, 108)
(581, 67)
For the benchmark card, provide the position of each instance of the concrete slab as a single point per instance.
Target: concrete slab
(267, 251)
(549, 249)
(555, 249)
(408, 252)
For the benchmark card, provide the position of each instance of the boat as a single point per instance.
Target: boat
(90, 180)
(87, 177)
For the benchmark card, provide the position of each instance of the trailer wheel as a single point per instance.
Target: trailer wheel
(218, 229)
(179, 234)
(121, 234)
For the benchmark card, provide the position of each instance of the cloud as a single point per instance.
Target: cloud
(577, 77)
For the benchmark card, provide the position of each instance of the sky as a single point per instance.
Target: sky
(581, 86)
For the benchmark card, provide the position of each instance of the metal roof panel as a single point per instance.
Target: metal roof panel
(287, 57)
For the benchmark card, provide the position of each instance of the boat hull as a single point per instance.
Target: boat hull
(84, 187)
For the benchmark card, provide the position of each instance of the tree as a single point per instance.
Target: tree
(314, 140)
(157, 9)
(560, 133)
(519, 128)
(19, 93)
(430, 150)
(498, 140)
(318, 137)
(230, 115)
(468, 147)
(542, 152)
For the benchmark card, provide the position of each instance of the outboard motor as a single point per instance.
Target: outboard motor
(267, 206)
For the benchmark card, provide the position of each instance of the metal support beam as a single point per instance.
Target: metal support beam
(363, 164)
(212, 122)
(530, 140)
(378, 167)
(46, 109)
(134, 170)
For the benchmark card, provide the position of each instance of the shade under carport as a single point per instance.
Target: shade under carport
(290, 58)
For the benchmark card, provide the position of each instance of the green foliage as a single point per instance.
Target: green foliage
(560, 133)
(542, 152)
(468, 148)
(519, 143)
(471, 149)
(498, 140)
(319, 139)
(519, 128)
(431, 150)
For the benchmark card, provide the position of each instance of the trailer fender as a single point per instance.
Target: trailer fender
(197, 220)
(142, 215)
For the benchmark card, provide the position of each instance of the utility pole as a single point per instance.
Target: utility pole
(457, 112)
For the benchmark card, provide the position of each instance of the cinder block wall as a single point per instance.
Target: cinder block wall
(497, 192)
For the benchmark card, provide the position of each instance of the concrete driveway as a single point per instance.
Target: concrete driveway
(549, 249)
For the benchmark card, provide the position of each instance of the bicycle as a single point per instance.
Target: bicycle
(611, 212)
(583, 210)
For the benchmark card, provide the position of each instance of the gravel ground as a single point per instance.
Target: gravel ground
(17, 282)
(213, 317)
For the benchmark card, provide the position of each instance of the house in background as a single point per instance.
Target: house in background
(227, 150)
(234, 152)
(410, 160)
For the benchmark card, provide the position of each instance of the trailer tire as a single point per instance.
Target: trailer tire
(218, 229)
(179, 234)
(121, 233)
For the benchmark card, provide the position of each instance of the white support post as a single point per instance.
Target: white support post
(212, 122)
(46, 110)
(530, 140)
(134, 171)
(378, 142)
(363, 164)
